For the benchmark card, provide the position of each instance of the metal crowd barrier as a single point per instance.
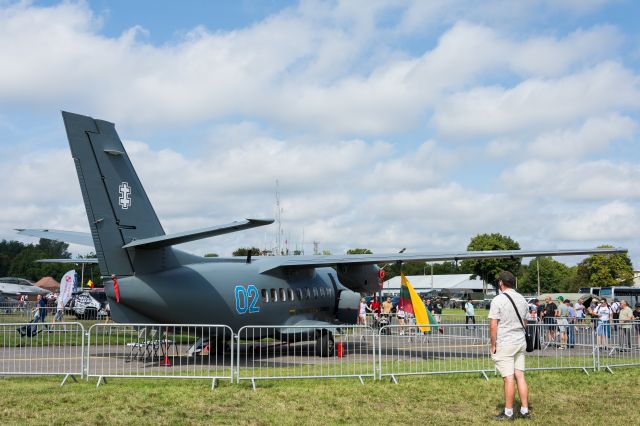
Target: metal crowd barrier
(176, 351)
(461, 318)
(305, 352)
(562, 346)
(42, 349)
(619, 345)
(302, 352)
(377, 321)
(10, 313)
(447, 348)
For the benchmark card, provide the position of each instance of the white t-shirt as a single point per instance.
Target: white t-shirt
(603, 312)
(579, 310)
(510, 331)
(470, 310)
(363, 309)
(615, 308)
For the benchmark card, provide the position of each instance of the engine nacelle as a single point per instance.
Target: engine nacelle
(360, 278)
(348, 304)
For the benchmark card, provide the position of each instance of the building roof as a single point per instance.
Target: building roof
(48, 283)
(441, 282)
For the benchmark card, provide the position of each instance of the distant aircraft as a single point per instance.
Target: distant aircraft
(11, 287)
(147, 280)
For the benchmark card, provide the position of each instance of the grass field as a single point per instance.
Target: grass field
(568, 397)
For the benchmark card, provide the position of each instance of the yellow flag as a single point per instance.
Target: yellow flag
(419, 310)
(90, 284)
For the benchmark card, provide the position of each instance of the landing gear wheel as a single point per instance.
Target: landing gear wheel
(325, 346)
(222, 347)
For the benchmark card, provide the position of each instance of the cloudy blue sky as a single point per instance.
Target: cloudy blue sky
(388, 124)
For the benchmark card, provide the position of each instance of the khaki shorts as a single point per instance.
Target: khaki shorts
(509, 358)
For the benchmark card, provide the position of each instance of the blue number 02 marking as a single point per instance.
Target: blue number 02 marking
(253, 297)
(246, 299)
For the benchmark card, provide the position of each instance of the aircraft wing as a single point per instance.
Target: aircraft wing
(82, 238)
(75, 261)
(270, 264)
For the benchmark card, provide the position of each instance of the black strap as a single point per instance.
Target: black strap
(516, 309)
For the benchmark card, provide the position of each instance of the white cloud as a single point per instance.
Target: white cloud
(301, 67)
(615, 220)
(333, 99)
(592, 180)
(593, 136)
(538, 104)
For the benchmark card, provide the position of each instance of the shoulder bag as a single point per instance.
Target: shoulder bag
(527, 336)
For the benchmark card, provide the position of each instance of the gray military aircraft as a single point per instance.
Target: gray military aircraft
(11, 287)
(147, 280)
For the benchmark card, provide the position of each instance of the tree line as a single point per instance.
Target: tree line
(18, 259)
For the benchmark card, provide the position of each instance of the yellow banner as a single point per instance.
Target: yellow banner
(419, 310)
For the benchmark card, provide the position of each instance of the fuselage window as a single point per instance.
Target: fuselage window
(291, 297)
(308, 293)
(321, 292)
(265, 295)
(283, 295)
(299, 294)
(274, 295)
(315, 292)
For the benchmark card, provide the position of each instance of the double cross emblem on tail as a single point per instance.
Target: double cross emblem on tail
(125, 192)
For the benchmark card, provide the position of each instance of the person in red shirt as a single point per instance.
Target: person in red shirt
(375, 306)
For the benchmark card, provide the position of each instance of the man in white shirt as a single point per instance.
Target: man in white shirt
(603, 312)
(470, 313)
(508, 343)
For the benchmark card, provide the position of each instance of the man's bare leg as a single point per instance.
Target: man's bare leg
(523, 389)
(509, 392)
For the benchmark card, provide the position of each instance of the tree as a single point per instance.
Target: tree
(554, 276)
(359, 251)
(8, 251)
(604, 270)
(488, 269)
(211, 255)
(243, 251)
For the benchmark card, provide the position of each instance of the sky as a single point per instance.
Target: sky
(380, 124)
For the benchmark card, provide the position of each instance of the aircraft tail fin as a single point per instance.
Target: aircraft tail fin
(117, 206)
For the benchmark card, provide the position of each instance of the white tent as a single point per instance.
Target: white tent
(424, 283)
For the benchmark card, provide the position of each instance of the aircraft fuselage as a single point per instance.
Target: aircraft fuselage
(235, 294)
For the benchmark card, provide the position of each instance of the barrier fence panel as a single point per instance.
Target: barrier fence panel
(461, 319)
(160, 350)
(16, 311)
(561, 346)
(42, 349)
(303, 352)
(447, 348)
(619, 344)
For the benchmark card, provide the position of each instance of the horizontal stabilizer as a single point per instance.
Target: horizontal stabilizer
(198, 234)
(82, 238)
(92, 260)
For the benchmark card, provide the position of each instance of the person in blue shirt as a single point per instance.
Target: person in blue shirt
(41, 309)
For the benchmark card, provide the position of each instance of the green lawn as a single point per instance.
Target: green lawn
(569, 397)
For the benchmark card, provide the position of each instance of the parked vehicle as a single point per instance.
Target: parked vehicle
(9, 305)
